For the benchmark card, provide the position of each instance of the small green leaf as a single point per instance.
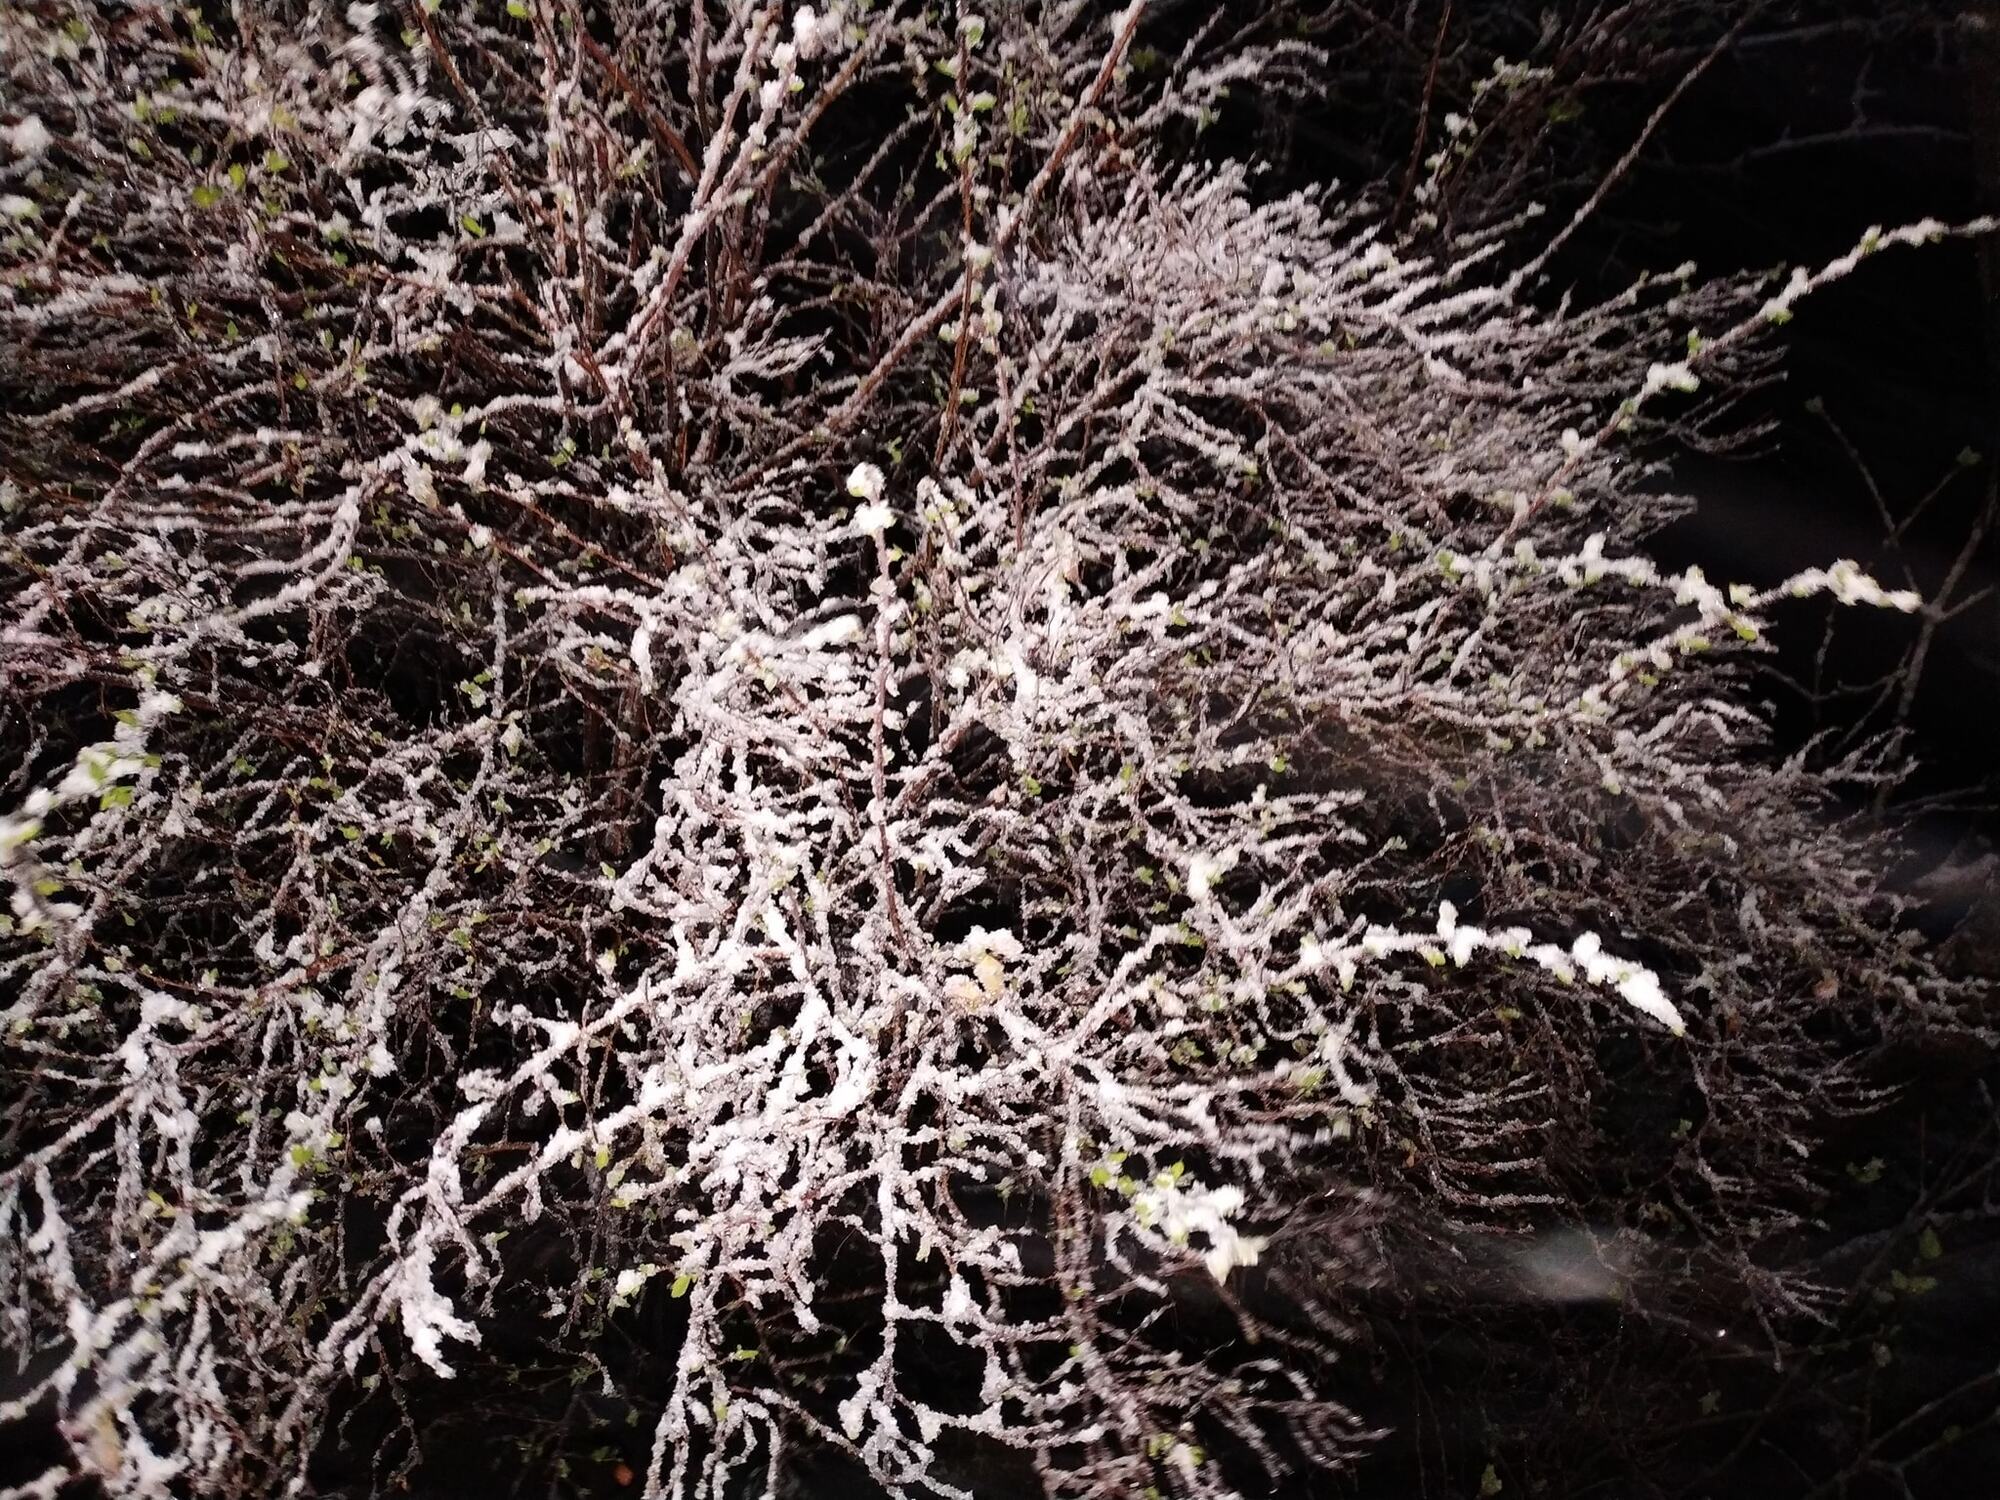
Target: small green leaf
(681, 1284)
(206, 195)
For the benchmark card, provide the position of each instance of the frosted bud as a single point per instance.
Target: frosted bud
(873, 518)
(30, 137)
(865, 482)
(1203, 870)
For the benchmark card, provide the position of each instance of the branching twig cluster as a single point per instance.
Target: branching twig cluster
(748, 661)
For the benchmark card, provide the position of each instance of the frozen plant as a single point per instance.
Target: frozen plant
(646, 691)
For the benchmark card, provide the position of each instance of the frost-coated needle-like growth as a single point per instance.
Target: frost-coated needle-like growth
(748, 667)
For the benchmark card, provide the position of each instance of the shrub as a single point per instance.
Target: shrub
(776, 706)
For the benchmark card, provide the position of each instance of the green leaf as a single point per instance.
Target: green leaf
(1489, 1483)
(681, 1284)
(518, 9)
(206, 195)
(117, 796)
(1929, 1246)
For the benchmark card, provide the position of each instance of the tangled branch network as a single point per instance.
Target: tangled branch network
(787, 677)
